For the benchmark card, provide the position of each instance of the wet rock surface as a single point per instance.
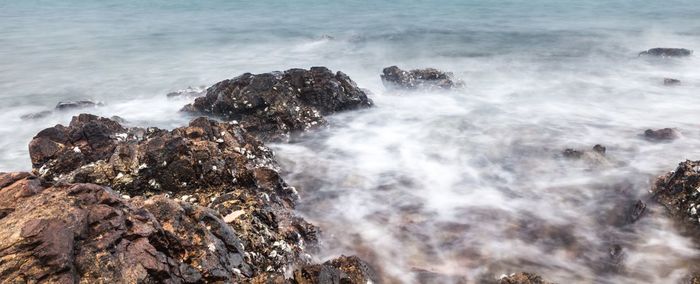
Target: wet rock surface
(522, 278)
(274, 106)
(215, 164)
(430, 78)
(86, 233)
(667, 52)
(189, 92)
(678, 192)
(661, 135)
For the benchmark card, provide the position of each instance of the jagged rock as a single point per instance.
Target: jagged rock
(345, 269)
(189, 92)
(667, 52)
(671, 82)
(522, 278)
(276, 105)
(77, 104)
(210, 163)
(678, 192)
(664, 134)
(394, 77)
(85, 233)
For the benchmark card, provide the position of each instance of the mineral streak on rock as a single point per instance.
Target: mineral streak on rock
(275, 106)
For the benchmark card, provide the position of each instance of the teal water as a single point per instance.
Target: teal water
(472, 167)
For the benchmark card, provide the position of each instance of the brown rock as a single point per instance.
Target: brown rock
(664, 134)
(522, 278)
(430, 78)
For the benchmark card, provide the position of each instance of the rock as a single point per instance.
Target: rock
(36, 115)
(671, 82)
(572, 154)
(664, 134)
(594, 156)
(636, 211)
(345, 269)
(85, 233)
(522, 278)
(274, 106)
(394, 77)
(210, 163)
(77, 104)
(600, 149)
(188, 92)
(667, 52)
(678, 192)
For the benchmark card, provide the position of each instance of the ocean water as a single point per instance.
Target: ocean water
(468, 183)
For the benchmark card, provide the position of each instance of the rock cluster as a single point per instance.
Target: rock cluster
(660, 135)
(522, 278)
(678, 192)
(209, 163)
(274, 106)
(429, 78)
(667, 52)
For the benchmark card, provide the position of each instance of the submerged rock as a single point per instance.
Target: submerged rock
(394, 77)
(594, 156)
(671, 82)
(667, 52)
(189, 92)
(345, 269)
(36, 115)
(522, 278)
(77, 104)
(664, 134)
(276, 105)
(85, 233)
(210, 163)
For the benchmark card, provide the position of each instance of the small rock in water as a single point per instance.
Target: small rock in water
(36, 115)
(189, 92)
(667, 52)
(637, 211)
(77, 104)
(522, 278)
(671, 82)
(572, 154)
(429, 78)
(600, 149)
(664, 134)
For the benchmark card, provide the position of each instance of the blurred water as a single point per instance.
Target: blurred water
(466, 183)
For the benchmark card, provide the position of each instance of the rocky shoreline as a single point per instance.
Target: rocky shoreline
(205, 203)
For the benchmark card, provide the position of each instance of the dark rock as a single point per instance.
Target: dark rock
(678, 192)
(664, 134)
(600, 149)
(426, 276)
(671, 82)
(572, 154)
(77, 104)
(345, 269)
(636, 211)
(85, 233)
(522, 278)
(188, 92)
(209, 163)
(667, 52)
(36, 115)
(394, 77)
(276, 105)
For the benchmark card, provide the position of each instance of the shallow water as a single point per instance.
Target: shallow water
(468, 183)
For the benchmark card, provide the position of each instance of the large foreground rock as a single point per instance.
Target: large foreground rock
(276, 105)
(209, 163)
(430, 78)
(85, 233)
(667, 52)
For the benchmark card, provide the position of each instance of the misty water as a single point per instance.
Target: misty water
(467, 183)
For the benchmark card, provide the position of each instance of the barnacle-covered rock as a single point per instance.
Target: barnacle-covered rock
(430, 78)
(522, 278)
(276, 105)
(679, 192)
(215, 164)
(85, 233)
